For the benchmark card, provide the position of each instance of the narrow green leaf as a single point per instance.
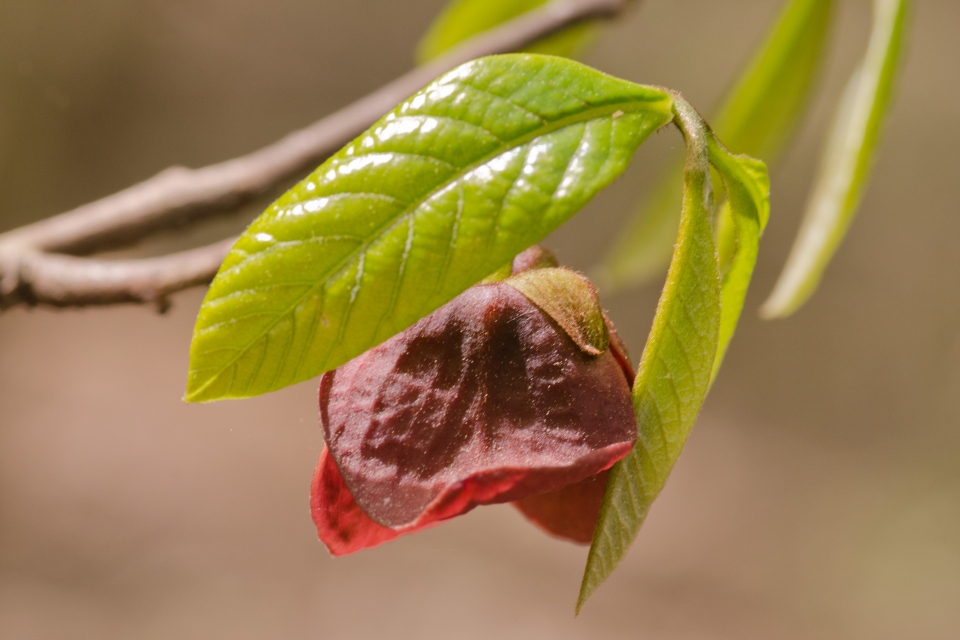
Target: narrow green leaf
(463, 19)
(675, 369)
(747, 210)
(846, 162)
(758, 118)
(443, 191)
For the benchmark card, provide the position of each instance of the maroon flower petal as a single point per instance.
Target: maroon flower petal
(619, 350)
(486, 400)
(570, 513)
(341, 524)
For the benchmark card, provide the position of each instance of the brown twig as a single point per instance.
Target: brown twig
(67, 281)
(31, 274)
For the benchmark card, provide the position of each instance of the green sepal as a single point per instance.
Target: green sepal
(572, 302)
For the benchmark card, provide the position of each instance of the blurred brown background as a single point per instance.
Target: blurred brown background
(819, 495)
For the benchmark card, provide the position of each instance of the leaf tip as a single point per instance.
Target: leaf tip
(586, 590)
(200, 390)
(796, 285)
(780, 305)
(581, 600)
(194, 396)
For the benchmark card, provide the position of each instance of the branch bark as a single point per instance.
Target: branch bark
(30, 273)
(68, 281)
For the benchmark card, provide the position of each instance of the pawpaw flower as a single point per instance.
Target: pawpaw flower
(516, 391)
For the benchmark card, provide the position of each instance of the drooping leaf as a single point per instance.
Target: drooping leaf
(675, 369)
(758, 118)
(846, 162)
(444, 190)
(695, 320)
(463, 19)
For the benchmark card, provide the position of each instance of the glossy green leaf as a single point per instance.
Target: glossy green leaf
(444, 190)
(758, 118)
(675, 369)
(846, 163)
(463, 19)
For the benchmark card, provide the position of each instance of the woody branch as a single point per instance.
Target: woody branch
(41, 263)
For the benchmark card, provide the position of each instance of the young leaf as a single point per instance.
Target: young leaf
(758, 118)
(444, 190)
(463, 19)
(675, 369)
(846, 162)
(748, 207)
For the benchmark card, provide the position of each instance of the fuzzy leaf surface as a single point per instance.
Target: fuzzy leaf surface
(846, 162)
(757, 118)
(444, 190)
(675, 369)
(463, 19)
(570, 300)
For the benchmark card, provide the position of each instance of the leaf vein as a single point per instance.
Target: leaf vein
(410, 208)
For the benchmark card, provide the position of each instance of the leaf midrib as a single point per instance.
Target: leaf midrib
(631, 106)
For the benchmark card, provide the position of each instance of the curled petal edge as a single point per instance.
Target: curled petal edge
(344, 528)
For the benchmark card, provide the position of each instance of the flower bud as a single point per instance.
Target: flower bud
(515, 391)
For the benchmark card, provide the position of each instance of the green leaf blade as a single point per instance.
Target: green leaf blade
(463, 19)
(482, 163)
(748, 208)
(695, 321)
(846, 162)
(674, 372)
(758, 118)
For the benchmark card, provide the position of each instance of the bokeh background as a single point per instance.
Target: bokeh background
(819, 495)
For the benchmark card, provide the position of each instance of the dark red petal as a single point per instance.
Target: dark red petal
(619, 350)
(508, 485)
(345, 528)
(341, 525)
(486, 400)
(570, 513)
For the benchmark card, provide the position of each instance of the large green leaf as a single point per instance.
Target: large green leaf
(757, 118)
(675, 368)
(695, 320)
(846, 163)
(482, 163)
(463, 19)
